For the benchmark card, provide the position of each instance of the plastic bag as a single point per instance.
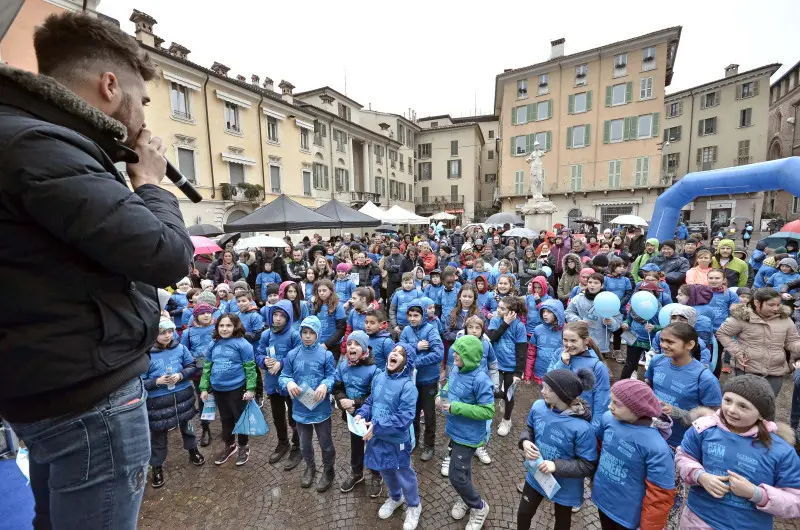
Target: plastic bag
(23, 463)
(209, 409)
(251, 422)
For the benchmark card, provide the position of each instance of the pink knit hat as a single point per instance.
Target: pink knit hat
(638, 397)
(343, 267)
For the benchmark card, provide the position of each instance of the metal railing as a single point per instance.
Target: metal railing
(439, 202)
(364, 196)
(182, 115)
(742, 160)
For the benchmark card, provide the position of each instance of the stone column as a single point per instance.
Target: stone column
(368, 186)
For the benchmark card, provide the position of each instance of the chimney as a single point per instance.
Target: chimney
(731, 70)
(507, 70)
(286, 91)
(144, 28)
(254, 79)
(557, 48)
(158, 41)
(176, 50)
(219, 68)
(241, 78)
(385, 129)
(269, 84)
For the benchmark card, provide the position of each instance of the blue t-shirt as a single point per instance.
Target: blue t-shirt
(685, 387)
(631, 455)
(328, 321)
(561, 436)
(265, 278)
(357, 379)
(505, 348)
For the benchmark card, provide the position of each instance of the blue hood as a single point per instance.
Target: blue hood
(425, 302)
(313, 323)
(557, 308)
(411, 359)
(286, 307)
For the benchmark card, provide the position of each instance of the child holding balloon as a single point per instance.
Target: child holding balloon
(642, 321)
(603, 319)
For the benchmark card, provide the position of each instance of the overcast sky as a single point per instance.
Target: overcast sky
(437, 56)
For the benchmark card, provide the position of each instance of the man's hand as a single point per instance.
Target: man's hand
(293, 389)
(152, 165)
(346, 403)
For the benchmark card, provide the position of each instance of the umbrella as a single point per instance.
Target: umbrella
(632, 220)
(205, 230)
(348, 217)
(792, 226)
(442, 216)
(587, 219)
(258, 242)
(386, 229)
(229, 238)
(282, 214)
(779, 239)
(520, 232)
(203, 245)
(504, 218)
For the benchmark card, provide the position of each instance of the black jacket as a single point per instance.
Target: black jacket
(81, 255)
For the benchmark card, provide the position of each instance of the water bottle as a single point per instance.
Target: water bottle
(170, 371)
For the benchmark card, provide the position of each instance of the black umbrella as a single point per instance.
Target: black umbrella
(229, 238)
(347, 217)
(205, 230)
(386, 229)
(281, 215)
(587, 219)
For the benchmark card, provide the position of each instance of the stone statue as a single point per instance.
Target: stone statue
(537, 171)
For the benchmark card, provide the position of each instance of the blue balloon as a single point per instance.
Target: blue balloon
(606, 304)
(644, 304)
(665, 314)
(547, 271)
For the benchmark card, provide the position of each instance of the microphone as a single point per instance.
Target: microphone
(182, 183)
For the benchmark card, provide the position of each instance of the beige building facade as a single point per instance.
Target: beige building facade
(719, 124)
(784, 137)
(597, 115)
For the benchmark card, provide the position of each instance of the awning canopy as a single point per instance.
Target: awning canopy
(347, 217)
(398, 215)
(372, 210)
(282, 214)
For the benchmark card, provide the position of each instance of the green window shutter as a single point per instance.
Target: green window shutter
(608, 96)
(655, 124)
(569, 137)
(634, 133)
(548, 141)
(513, 115)
(513, 143)
(629, 92)
(606, 131)
(626, 127)
(528, 143)
(549, 108)
(587, 138)
(589, 100)
(532, 114)
(571, 104)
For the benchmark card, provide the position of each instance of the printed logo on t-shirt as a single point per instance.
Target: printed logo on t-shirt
(612, 468)
(716, 450)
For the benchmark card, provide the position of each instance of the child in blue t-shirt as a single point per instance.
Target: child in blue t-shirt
(344, 285)
(642, 329)
(265, 278)
(559, 440)
(510, 342)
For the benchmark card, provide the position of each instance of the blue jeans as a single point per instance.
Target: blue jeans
(88, 470)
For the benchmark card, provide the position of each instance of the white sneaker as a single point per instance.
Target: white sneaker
(576, 509)
(446, 466)
(505, 428)
(478, 517)
(634, 375)
(389, 507)
(412, 517)
(483, 456)
(459, 510)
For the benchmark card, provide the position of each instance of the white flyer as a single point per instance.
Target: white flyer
(546, 480)
(358, 428)
(307, 398)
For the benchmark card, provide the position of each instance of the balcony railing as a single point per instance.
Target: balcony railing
(362, 197)
(182, 115)
(439, 202)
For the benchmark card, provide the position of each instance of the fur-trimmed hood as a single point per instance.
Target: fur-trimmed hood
(703, 417)
(574, 257)
(744, 313)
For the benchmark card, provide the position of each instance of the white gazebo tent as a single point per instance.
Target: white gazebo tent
(398, 215)
(373, 211)
(442, 216)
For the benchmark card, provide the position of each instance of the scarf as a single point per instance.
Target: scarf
(591, 296)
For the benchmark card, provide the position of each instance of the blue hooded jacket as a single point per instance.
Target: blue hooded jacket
(764, 273)
(598, 397)
(391, 407)
(448, 299)
(357, 379)
(276, 346)
(469, 385)
(197, 339)
(344, 288)
(427, 361)
(510, 358)
(719, 307)
(253, 325)
(533, 305)
(548, 340)
(381, 344)
(399, 305)
(176, 357)
(310, 366)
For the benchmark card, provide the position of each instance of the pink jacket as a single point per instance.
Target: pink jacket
(779, 502)
(697, 276)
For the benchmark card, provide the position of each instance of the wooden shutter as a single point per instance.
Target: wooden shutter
(548, 140)
(327, 178)
(664, 163)
(626, 127)
(700, 127)
(529, 139)
(606, 131)
(755, 87)
(714, 154)
(589, 100)
(533, 112)
(569, 137)
(608, 96)
(738, 91)
(702, 102)
(718, 97)
(587, 137)
(571, 105)
(513, 115)
(549, 108)
(513, 145)
(699, 155)
(655, 124)
(680, 108)
(628, 91)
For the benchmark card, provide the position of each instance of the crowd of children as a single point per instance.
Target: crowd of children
(453, 336)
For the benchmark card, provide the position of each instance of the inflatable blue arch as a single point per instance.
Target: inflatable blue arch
(783, 174)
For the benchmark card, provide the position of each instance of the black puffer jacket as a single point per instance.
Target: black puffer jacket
(166, 412)
(81, 255)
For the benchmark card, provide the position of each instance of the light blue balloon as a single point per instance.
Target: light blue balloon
(606, 304)
(547, 271)
(665, 314)
(644, 304)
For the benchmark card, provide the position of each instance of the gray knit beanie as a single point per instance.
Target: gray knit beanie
(685, 311)
(568, 385)
(756, 390)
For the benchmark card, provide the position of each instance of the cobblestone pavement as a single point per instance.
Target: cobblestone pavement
(263, 496)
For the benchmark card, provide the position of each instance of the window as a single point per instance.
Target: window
(424, 151)
(392, 158)
(379, 151)
(453, 169)
(671, 162)
(522, 114)
(578, 136)
(619, 94)
(303, 138)
(306, 182)
(453, 147)
(519, 182)
(424, 171)
(748, 90)
(542, 139)
(707, 126)
(434, 124)
(340, 137)
(674, 109)
(186, 163)
(649, 59)
(616, 131)
(454, 193)
(576, 177)
(673, 134)
(519, 145)
(232, 118)
(410, 192)
(645, 126)
(544, 84)
(490, 178)
(795, 204)
(646, 88)
(392, 189)
(179, 96)
(344, 112)
(745, 117)
(709, 100)
(522, 89)
(743, 153)
(614, 173)
(236, 173)
(342, 179)
(543, 110)
(425, 194)
(401, 134)
(401, 191)
(579, 102)
(275, 178)
(320, 172)
(380, 186)
(320, 132)
(272, 129)
(491, 134)
(621, 65)
(581, 71)
(410, 165)
(490, 154)
(706, 157)
(642, 171)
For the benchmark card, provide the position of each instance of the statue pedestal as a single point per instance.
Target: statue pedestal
(538, 214)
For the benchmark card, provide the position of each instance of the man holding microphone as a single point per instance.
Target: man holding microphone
(81, 257)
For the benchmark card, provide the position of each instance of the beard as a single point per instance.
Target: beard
(124, 114)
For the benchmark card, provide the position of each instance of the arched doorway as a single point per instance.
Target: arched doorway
(571, 216)
(235, 215)
(774, 150)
